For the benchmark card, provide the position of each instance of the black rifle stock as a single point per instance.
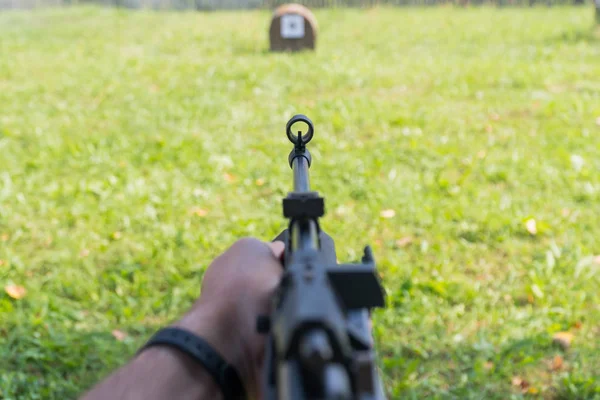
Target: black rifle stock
(320, 344)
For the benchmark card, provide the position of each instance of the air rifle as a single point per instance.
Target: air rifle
(319, 337)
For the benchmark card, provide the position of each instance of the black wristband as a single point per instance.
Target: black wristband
(224, 374)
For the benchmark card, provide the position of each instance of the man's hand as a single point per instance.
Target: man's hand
(237, 287)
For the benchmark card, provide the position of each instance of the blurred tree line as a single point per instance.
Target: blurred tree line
(269, 4)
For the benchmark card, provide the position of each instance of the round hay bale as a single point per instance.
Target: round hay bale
(293, 28)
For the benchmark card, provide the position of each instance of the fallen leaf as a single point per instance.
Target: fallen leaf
(403, 242)
(15, 291)
(563, 339)
(488, 365)
(537, 291)
(388, 213)
(392, 174)
(577, 162)
(4, 237)
(516, 381)
(84, 253)
(116, 235)
(228, 177)
(119, 335)
(520, 382)
(260, 182)
(556, 88)
(200, 212)
(342, 210)
(557, 363)
(199, 192)
(577, 325)
(531, 226)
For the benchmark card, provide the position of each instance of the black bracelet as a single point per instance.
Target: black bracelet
(225, 375)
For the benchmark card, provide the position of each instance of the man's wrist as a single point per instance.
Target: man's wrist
(222, 335)
(190, 374)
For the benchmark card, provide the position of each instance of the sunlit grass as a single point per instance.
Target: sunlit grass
(131, 144)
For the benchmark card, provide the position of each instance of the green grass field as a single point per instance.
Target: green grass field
(136, 146)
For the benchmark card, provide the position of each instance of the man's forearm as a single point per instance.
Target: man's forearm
(158, 373)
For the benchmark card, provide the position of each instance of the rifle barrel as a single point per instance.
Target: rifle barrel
(304, 233)
(301, 181)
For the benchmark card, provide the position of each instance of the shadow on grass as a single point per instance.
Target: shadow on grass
(62, 363)
(590, 35)
(484, 371)
(251, 49)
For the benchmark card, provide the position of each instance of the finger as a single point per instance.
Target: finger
(277, 248)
